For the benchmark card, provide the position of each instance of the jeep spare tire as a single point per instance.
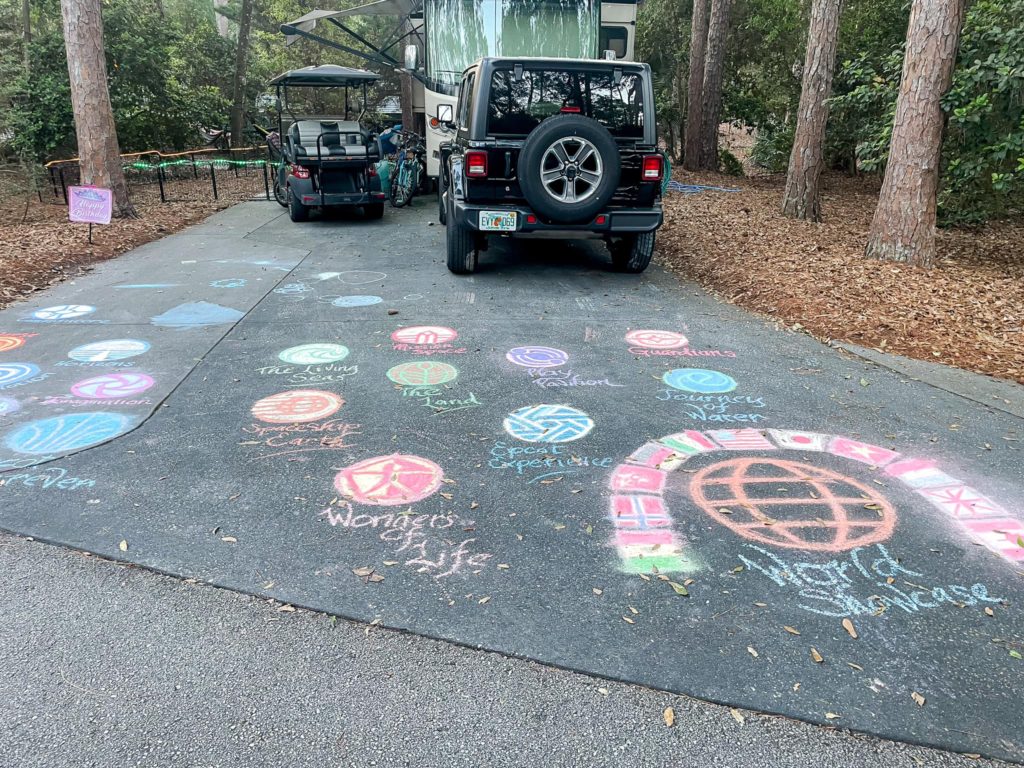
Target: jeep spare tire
(569, 168)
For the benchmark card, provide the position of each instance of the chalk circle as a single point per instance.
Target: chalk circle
(9, 342)
(424, 334)
(422, 373)
(13, 373)
(313, 354)
(537, 357)
(548, 424)
(792, 504)
(356, 301)
(8, 405)
(360, 277)
(70, 432)
(387, 481)
(649, 339)
(63, 312)
(699, 380)
(114, 349)
(112, 385)
(297, 406)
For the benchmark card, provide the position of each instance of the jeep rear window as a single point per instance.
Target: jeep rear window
(516, 107)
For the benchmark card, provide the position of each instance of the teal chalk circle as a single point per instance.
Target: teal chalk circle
(313, 354)
(114, 349)
(356, 301)
(63, 312)
(699, 380)
(548, 424)
(71, 432)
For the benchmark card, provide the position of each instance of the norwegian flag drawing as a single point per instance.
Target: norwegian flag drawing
(741, 439)
(962, 502)
(639, 513)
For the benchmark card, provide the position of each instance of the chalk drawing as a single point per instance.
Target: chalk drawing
(290, 439)
(424, 334)
(361, 277)
(292, 288)
(422, 373)
(197, 314)
(868, 454)
(14, 374)
(231, 282)
(8, 405)
(313, 354)
(656, 339)
(537, 357)
(69, 432)
(114, 349)
(699, 380)
(9, 341)
(297, 405)
(552, 378)
(550, 459)
(112, 385)
(356, 301)
(63, 312)
(548, 424)
(51, 477)
(389, 480)
(795, 440)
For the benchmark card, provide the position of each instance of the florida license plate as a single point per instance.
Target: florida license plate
(498, 221)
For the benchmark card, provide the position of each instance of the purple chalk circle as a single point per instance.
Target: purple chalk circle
(69, 432)
(537, 357)
(110, 386)
(16, 373)
(114, 349)
(63, 312)
(8, 405)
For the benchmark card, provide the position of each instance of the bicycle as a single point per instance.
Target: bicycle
(410, 170)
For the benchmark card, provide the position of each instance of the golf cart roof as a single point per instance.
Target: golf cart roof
(326, 75)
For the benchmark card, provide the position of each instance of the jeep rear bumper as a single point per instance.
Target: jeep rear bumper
(610, 221)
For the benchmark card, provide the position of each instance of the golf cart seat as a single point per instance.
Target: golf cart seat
(338, 138)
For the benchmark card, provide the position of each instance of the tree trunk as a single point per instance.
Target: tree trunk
(238, 81)
(903, 228)
(99, 157)
(714, 68)
(802, 199)
(695, 85)
(222, 20)
(26, 35)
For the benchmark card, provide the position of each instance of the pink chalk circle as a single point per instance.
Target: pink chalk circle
(424, 334)
(389, 480)
(656, 339)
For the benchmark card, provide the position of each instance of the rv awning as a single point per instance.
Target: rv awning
(379, 8)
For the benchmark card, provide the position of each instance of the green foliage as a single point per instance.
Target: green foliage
(729, 163)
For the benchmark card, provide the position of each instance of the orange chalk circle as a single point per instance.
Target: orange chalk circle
(8, 342)
(389, 480)
(656, 339)
(297, 406)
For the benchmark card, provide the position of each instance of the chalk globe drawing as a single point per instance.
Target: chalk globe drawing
(389, 480)
(114, 349)
(9, 342)
(63, 312)
(356, 301)
(13, 373)
(8, 405)
(313, 354)
(699, 380)
(112, 385)
(70, 432)
(656, 339)
(424, 334)
(792, 504)
(537, 357)
(548, 424)
(296, 406)
(422, 373)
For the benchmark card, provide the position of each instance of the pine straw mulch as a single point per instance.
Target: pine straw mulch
(39, 247)
(968, 311)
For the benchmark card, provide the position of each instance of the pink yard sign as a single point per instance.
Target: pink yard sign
(90, 205)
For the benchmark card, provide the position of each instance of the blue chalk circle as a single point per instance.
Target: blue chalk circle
(196, 314)
(699, 380)
(70, 432)
(114, 349)
(15, 373)
(548, 424)
(356, 301)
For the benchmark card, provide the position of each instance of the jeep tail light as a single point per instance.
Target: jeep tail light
(299, 172)
(652, 168)
(476, 164)
(571, 110)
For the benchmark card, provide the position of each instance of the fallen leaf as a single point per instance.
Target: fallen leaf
(628, 620)
(644, 576)
(390, 562)
(633, 610)
(559, 526)
(589, 529)
(504, 566)
(447, 496)
(761, 605)
(686, 583)
(751, 651)
(229, 539)
(737, 569)
(373, 578)
(918, 698)
(473, 505)
(864, 382)
(988, 611)
(286, 609)
(737, 715)
(362, 571)
(1016, 655)
(724, 511)
(679, 589)
(123, 546)
(858, 667)
(669, 716)
(791, 630)
(818, 658)
(831, 715)
(848, 626)
(598, 591)
(373, 623)
(483, 600)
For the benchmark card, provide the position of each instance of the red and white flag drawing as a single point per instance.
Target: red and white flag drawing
(741, 439)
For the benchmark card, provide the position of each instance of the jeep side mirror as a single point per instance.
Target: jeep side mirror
(444, 114)
(411, 57)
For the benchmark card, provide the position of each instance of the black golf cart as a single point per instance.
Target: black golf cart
(325, 161)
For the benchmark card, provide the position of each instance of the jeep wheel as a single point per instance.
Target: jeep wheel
(442, 215)
(296, 210)
(633, 252)
(569, 168)
(462, 250)
(373, 211)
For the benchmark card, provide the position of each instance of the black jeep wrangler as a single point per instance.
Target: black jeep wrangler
(562, 145)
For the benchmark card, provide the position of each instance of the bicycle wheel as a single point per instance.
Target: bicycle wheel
(399, 187)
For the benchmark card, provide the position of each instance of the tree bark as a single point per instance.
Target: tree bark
(99, 157)
(238, 81)
(714, 67)
(695, 85)
(802, 199)
(26, 35)
(903, 228)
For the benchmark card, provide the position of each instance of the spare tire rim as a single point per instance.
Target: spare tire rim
(571, 169)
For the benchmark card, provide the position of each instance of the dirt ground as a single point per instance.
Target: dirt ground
(968, 311)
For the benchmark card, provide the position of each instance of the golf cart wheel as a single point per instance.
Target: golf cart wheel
(374, 210)
(280, 192)
(569, 168)
(462, 247)
(633, 252)
(296, 210)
